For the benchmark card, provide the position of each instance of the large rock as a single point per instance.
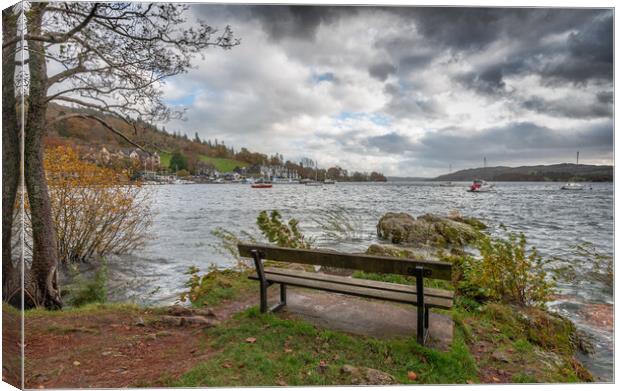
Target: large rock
(428, 229)
(367, 376)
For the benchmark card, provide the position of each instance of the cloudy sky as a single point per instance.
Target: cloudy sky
(406, 91)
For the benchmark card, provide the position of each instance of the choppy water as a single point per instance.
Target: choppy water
(552, 220)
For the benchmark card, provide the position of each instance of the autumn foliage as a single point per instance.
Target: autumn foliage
(96, 210)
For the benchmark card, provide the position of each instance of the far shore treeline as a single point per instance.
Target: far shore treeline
(180, 153)
(563, 172)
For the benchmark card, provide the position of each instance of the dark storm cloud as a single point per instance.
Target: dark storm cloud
(571, 108)
(589, 55)
(586, 54)
(296, 21)
(281, 21)
(475, 28)
(605, 97)
(392, 143)
(381, 71)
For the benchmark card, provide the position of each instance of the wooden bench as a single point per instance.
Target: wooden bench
(423, 298)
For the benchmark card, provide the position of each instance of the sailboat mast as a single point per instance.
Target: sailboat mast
(577, 157)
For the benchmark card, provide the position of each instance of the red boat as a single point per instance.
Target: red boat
(261, 184)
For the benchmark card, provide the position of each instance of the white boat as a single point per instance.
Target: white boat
(480, 186)
(572, 186)
(329, 182)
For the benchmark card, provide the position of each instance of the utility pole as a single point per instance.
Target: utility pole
(485, 162)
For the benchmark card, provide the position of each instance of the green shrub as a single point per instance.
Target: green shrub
(280, 233)
(507, 272)
(89, 290)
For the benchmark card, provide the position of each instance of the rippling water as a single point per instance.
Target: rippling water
(551, 219)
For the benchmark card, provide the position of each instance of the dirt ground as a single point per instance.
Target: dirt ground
(104, 350)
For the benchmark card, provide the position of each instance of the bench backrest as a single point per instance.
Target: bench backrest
(367, 263)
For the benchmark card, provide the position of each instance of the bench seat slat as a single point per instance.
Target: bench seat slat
(361, 291)
(388, 286)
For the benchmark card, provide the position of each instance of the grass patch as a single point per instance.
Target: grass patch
(216, 285)
(223, 164)
(289, 352)
(164, 159)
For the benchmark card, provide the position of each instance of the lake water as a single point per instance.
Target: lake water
(552, 220)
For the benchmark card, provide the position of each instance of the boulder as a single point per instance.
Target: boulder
(388, 250)
(367, 376)
(429, 229)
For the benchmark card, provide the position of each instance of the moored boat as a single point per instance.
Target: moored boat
(572, 186)
(481, 186)
(262, 184)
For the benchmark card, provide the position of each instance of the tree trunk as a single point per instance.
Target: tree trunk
(44, 270)
(10, 152)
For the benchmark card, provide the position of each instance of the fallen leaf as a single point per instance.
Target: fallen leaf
(495, 379)
(412, 375)
(250, 340)
(227, 365)
(470, 382)
(287, 350)
(76, 363)
(281, 383)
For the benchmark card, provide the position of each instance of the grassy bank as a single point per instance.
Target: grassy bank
(492, 343)
(220, 164)
(265, 350)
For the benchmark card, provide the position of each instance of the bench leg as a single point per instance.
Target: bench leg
(283, 294)
(421, 323)
(263, 297)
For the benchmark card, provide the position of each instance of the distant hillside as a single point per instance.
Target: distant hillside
(552, 173)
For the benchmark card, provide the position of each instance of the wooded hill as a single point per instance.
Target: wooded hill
(551, 173)
(81, 132)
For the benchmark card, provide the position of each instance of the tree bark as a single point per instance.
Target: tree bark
(44, 269)
(10, 151)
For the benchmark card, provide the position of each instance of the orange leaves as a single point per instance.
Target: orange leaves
(96, 210)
